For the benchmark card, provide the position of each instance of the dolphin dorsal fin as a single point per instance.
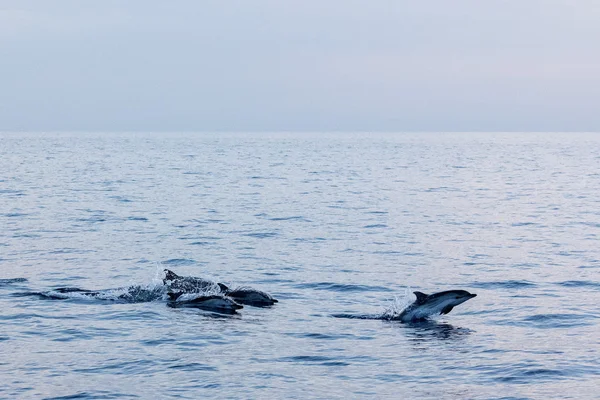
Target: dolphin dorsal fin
(224, 288)
(421, 297)
(170, 275)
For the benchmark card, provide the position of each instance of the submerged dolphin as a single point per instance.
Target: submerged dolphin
(437, 303)
(216, 303)
(243, 295)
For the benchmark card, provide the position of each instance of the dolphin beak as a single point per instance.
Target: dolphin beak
(473, 295)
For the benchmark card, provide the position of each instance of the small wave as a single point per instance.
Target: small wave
(358, 316)
(588, 266)
(27, 316)
(320, 360)
(527, 375)
(261, 235)
(339, 287)
(442, 189)
(27, 235)
(5, 282)
(137, 219)
(310, 240)
(92, 220)
(516, 224)
(67, 250)
(193, 367)
(13, 192)
(595, 285)
(510, 284)
(121, 199)
(556, 320)
(320, 336)
(375, 226)
(199, 238)
(294, 218)
(94, 395)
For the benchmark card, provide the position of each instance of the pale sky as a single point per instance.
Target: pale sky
(272, 65)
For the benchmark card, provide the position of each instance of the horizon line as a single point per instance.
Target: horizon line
(286, 131)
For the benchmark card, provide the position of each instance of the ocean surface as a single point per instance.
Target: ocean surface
(327, 224)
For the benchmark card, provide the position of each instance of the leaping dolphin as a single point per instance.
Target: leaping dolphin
(437, 303)
(423, 307)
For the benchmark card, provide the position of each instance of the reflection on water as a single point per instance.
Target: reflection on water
(424, 331)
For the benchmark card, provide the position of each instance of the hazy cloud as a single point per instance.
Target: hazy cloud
(299, 65)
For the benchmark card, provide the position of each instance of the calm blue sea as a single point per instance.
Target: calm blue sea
(327, 223)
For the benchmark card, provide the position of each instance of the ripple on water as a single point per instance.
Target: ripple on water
(157, 342)
(261, 235)
(323, 360)
(94, 395)
(292, 218)
(551, 321)
(137, 219)
(320, 336)
(12, 192)
(510, 284)
(6, 282)
(529, 374)
(68, 335)
(558, 320)
(120, 368)
(15, 215)
(28, 316)
(338, 287)
(193, 367)
(586, 284)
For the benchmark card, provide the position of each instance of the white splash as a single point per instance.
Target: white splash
(399, 304)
